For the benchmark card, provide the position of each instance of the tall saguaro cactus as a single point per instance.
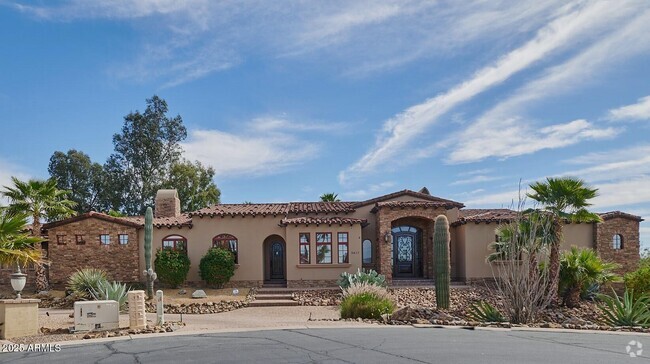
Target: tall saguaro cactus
(441, 256)
(148, 236)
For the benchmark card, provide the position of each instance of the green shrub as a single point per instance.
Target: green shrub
(83, 282)
(626, 312)
(111, 291)
(581, 269)
(366, 306)
(217, 266)
(370, 277)
(171, 266)
(638, 282)
(485, 312)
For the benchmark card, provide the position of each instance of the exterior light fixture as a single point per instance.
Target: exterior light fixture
(18, 281)
(235, 291)
(388, 236)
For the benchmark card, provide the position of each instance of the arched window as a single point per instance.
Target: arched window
(226, 241)
(367, 251)
(617, 242)
(175, 242)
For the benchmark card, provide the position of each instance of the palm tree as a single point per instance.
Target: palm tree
(38, 199)
(564, 199)
(16, 245)
(580, 269)
(329, 197)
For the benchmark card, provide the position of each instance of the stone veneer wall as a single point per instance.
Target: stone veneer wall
(121, 262)
(628, 257)
(311, 283)
(385, 218)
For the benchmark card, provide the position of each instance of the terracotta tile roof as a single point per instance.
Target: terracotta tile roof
(321, 221)
(160, 222)
(413, 205)
(252, 209)
(320, 207)
(88, 215)
(274, 209)
(424, 196)
(615, 214)
(485, 215)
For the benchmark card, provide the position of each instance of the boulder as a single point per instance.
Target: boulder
(199, 293)
(403, 314)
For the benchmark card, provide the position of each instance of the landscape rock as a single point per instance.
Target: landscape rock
(199, 293)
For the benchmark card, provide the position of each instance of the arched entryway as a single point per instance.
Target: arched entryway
(275, 259)
(407, 251)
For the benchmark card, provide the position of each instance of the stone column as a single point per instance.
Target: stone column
(137, 310)
(19, 318)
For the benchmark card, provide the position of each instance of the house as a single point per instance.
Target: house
(306, 244)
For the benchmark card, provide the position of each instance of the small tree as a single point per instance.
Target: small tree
(217, 266)
(580, 269)
(172, 266)
(524, 288)
(329, 197)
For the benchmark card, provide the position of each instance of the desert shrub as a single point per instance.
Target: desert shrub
(114, 291)
(581, 269)
(370, 277)
(171, 266)
(485, 312)
(217, 266)
(83, 282)
(367, 301)
(638, 282)
(627, 311)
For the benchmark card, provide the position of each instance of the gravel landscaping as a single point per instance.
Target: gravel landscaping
(418, 306)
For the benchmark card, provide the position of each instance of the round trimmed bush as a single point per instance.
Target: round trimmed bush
(171, 266)
(366, 306)
(217, 267)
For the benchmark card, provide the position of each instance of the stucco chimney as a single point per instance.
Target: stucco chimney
(167, 204)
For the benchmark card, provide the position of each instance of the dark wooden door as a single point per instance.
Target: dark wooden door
(277, 261)
(405, 246)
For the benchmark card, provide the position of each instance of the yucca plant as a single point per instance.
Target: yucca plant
(84, 282)
(114, 291)
(485, 312)
(629, 311)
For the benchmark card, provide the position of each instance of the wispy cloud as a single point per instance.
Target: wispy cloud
(479, 178)
(282, 124)
(8, 170)
(637, 111)
(371, 191)
(622, 163)
(399, 131)
(504, 131)
(235, 155)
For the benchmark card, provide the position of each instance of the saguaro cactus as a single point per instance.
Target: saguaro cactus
(441, 257)
(148, 232)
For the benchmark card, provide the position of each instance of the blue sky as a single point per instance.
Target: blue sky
(287, 100)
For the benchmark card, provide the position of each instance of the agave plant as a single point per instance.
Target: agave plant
(114, 291)
(485, 312)
(85, 281)
(629, 311)
(362, 276)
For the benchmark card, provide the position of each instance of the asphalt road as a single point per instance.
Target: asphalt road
(354, 345)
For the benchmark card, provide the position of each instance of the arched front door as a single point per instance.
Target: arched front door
(277, 261)
(407, 252)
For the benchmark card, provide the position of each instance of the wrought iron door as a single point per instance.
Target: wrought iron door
(277, 261)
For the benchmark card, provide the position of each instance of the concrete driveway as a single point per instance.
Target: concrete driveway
(354, 345)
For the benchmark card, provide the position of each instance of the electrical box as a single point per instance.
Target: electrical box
(96, 315)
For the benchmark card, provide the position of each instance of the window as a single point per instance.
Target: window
(304, 248)
(175, 242)
(79, 239)
(105, 239)
(367, 251)
(324, 248)
(228, 242)
(123, 238)
(617, 242)
(60, 239)
(343, 248)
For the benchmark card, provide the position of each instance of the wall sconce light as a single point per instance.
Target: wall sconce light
(388, 237)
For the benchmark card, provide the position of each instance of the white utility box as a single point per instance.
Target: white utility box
(96, 315)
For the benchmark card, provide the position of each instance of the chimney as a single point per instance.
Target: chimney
(167, 204)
